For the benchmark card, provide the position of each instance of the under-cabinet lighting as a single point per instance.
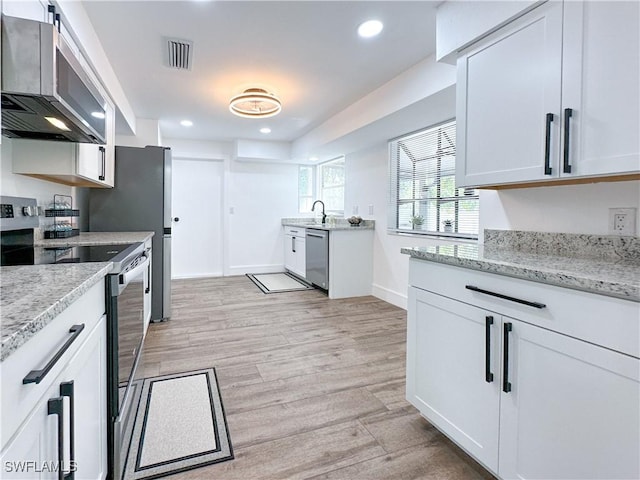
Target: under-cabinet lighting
(56, 122)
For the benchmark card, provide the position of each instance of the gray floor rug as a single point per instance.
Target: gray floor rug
(180, 425)
(278, 282)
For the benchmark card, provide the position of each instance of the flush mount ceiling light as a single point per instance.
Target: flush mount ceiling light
(255, 103)
(370, 28)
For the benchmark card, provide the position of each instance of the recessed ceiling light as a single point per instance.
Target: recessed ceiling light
(98, 114)
(314, 159)
(186, 123)
(370, 28)
(265, 130)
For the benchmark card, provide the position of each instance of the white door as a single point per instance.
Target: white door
(572, 411)
(452, 371)
(197, 218)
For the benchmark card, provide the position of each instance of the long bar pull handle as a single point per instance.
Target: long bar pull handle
(103, 155)
(506, 385)
(293, 244)
(315, 235)
(55, 406)
(568, 113)
(547, 145)
(488, 376)
(36, 376)
(506, 297)
(66, 390)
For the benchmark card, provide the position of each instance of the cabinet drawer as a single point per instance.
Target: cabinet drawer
(610, 322)
(17, 399)
(295, 231)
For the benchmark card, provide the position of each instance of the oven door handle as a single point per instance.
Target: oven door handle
(126, 277)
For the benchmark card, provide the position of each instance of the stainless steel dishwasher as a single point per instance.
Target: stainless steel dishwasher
(317, 257)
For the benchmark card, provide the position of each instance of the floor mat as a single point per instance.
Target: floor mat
(278, 282)
(180, 425)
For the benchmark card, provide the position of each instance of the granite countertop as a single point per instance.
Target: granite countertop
(31, 296)
(340, 224)
(96, 238)
(597, 266)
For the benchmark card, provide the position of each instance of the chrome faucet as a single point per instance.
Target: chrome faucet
(324, 215)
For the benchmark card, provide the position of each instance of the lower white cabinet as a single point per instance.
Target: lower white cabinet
(295, 251)
(73, 399)
(526, 401)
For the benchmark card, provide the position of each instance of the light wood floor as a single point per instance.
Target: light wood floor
(312, 387)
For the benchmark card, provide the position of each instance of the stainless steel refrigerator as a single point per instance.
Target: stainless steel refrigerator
(141, 201)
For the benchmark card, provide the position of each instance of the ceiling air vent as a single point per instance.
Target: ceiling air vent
(178, 53)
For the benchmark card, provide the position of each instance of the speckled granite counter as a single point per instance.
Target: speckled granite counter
(96, 238)
(32, 296)
(597, 264)
(340, 224)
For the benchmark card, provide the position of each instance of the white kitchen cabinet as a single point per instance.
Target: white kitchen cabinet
(552, 95)
(447, 376)
(77, 164)
(573, 409)
(295, 251)
(565, 406)
(31, 9)
(30, 431)
(37, 439)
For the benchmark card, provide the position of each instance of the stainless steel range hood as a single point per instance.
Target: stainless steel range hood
(46, 93)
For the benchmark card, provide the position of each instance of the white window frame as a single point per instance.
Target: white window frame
(302, 196)
(395, 202)
(322, 189)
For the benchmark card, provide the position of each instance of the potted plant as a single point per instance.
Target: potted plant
(417, 221)
(448, 225)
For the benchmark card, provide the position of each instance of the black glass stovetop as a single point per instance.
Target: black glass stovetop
(27, 255)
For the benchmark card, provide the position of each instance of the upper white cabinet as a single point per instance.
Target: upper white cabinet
(552, 95)
(77, 164)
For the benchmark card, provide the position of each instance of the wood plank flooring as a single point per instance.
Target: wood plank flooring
(313, 388)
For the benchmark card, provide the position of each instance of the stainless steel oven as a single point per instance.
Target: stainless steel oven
(129, 312)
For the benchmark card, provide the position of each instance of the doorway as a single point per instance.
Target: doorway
(197, 192)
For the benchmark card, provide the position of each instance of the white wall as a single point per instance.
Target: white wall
(147, 133)
(22, 186)
(566, 209)
(259, 195)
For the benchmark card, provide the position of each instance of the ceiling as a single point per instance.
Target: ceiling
(306, 52)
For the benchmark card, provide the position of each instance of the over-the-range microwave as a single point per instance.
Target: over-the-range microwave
(46, 93)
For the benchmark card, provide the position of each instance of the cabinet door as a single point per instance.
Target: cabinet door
(301, 256)
(88, 370)
(572, 411)
(600, 84)
(33, 452)
(447, 348)
(289, 252)
(89, 161)
(506, 86)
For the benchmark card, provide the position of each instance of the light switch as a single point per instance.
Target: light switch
(370, 209)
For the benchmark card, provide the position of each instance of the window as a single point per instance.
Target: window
(424, 198)
(305, 188)
(331, 185)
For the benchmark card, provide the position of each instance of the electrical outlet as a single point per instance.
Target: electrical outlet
(622, 221)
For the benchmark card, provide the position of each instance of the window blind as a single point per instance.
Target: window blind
(424, 197)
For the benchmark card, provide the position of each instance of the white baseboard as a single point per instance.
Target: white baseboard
(197, 275)
(244, 269)
(394, 298)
